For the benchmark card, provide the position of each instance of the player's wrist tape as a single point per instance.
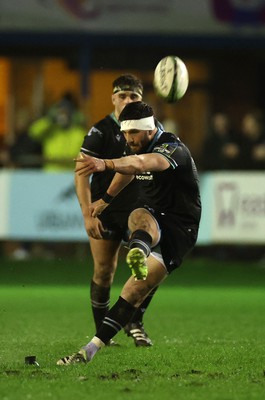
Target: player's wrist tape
(109, 164)
(107, 198)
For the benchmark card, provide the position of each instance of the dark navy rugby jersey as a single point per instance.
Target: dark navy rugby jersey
(105, 140)
(175, 190)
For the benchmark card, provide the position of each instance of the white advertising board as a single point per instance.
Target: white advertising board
(36, 205)
(238, 212)
(40, 206)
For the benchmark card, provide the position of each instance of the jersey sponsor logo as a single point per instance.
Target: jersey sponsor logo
(145, 176)
(166, 148)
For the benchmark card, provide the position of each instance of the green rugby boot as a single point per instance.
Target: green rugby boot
(136, 260)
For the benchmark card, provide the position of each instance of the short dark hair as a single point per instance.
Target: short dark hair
(128, 82)
(136, 110)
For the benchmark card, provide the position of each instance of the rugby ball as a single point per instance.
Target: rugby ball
(171, 79)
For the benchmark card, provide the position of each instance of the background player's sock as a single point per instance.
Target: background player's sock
(100, 299)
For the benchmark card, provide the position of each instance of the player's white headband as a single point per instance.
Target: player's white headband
(143, 124)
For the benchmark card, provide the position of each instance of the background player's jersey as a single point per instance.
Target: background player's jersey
(105, 140)
(175, 190)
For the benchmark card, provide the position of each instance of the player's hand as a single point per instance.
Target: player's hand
(97, 207)
(87, 165)
(94, 227)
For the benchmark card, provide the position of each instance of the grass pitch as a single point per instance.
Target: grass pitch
(207, 323)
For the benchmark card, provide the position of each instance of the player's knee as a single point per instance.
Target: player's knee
(104, 275)
(139, 219)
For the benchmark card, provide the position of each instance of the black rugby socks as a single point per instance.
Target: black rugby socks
(142, 240)
(139, 313)
(100, 299)
(117, 317)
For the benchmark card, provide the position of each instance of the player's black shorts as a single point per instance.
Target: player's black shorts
(177, 238)
(116, 225)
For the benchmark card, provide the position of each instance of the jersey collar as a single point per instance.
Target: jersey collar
(154, 140)
(112, 115)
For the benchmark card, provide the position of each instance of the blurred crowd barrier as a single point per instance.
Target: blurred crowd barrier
(42, 206)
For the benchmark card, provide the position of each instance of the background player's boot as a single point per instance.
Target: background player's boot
(112, 343)
(137, 332)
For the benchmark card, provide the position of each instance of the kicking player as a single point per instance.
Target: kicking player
(105, 140)
(163, 231)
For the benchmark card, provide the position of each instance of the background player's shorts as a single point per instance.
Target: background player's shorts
(116, 225)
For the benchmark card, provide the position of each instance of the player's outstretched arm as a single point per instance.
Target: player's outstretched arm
(87, 165)
(129, 165)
